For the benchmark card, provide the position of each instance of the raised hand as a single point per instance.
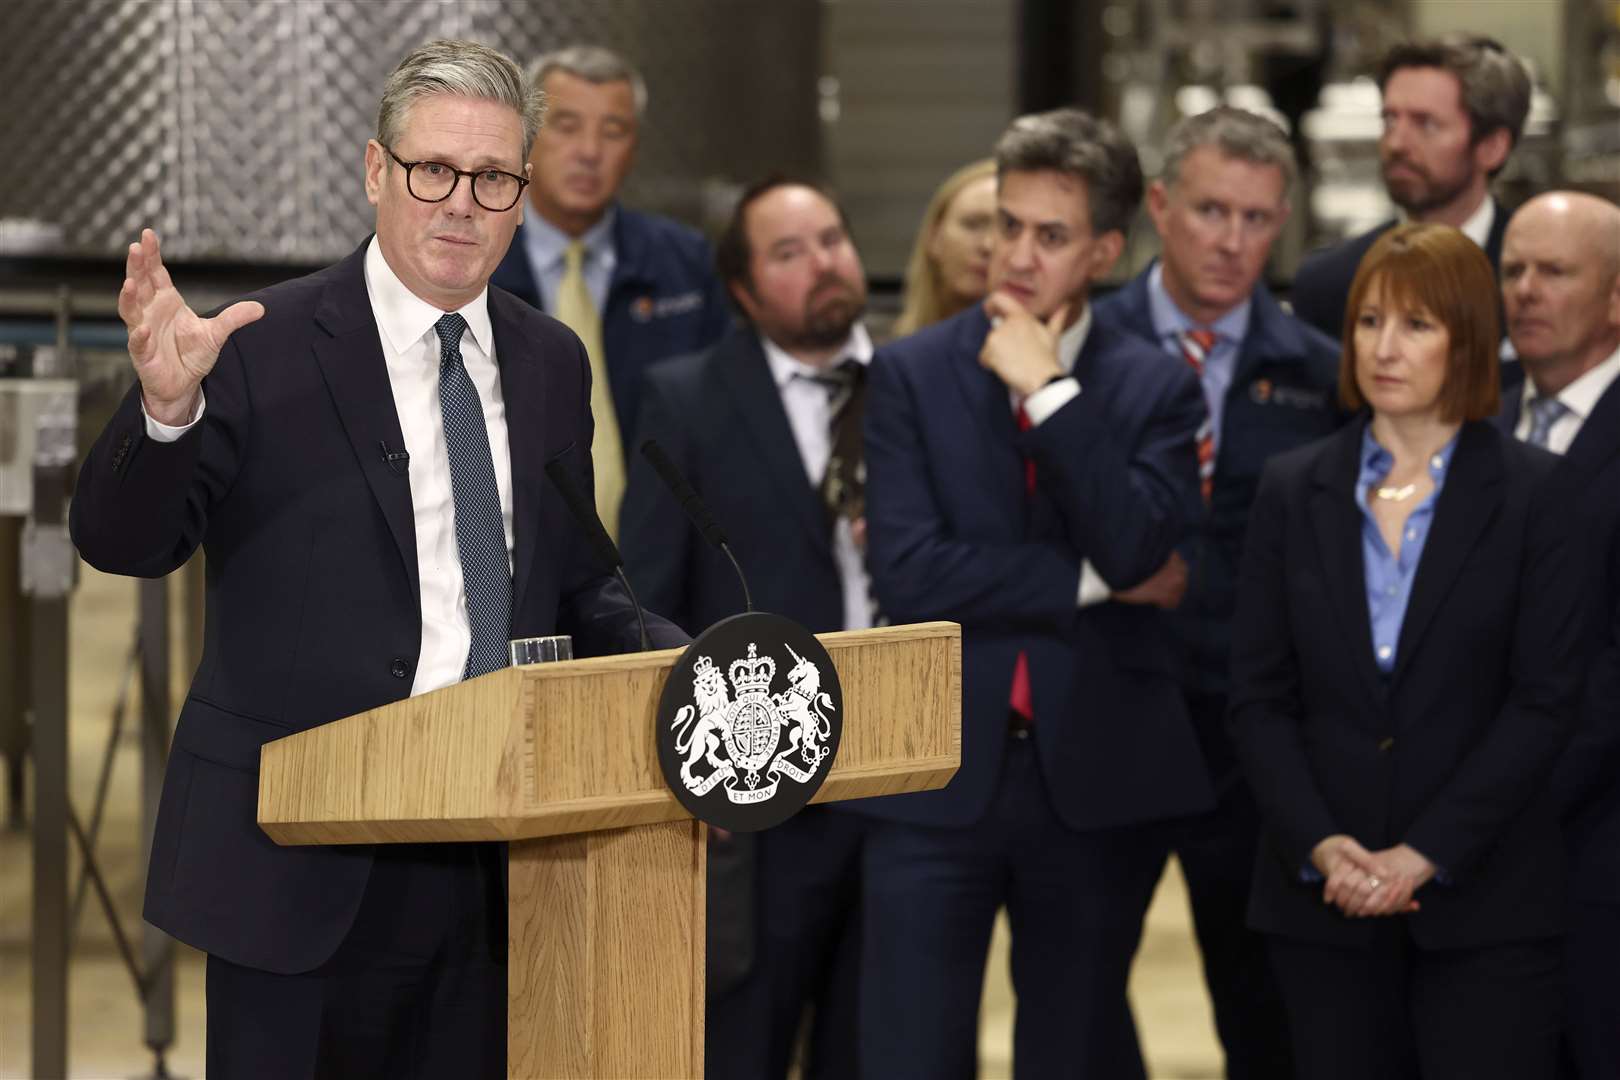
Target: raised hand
(171, 346)
(1020, 349)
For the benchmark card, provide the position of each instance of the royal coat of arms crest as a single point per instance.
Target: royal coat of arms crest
(748, 729)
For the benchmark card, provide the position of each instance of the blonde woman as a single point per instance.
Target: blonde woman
(951, 259)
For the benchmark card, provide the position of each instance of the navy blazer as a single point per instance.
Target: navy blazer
(313, 599)
(1587, 780)
(663, 300)
(1451, 752)
(1284, 393)
(719, 416)
(952, 535)
(1322, 283)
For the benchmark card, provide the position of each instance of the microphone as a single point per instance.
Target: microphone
(584, 514)
(398, 461)
(695, 508)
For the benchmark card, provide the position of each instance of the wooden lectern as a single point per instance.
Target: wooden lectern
(605, 897)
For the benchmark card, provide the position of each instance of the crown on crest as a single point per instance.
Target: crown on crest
(754, 674)
(703, 668)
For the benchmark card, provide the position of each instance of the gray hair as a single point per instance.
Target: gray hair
(1078, 144)
(1236, 133)
(1495, 84)
(595, 65)
(462, 68)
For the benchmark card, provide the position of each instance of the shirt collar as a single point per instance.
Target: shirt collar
(1477, 226)
(1073, 340)
(857, 347)
(548, 244)
(1376, 461)
(1169, 321)
(1581, 396)
(406, 318)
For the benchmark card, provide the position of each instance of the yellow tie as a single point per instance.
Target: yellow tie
(578, 312)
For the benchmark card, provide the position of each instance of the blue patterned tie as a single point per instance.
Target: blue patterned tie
(480, 538)
(1544, 413)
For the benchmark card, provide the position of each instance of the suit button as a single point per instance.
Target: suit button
(400, 667)
(1386, 744)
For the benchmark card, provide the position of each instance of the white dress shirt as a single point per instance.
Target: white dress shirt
(809, 414)
(411, 349)
(1579, 397)
(1478, 226)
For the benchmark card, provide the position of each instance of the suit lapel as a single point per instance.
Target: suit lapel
(994, 452)
(1599, 437)
(1469, 501)
(1337, 522)
(356, 374)
(1512, 375)
(1264, 341)
(523, 390)
(759, 401)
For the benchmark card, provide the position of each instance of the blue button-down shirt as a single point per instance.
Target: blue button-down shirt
(1170, 322)
(546, 245)
(1390, 574)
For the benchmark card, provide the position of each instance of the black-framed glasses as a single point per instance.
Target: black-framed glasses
(433, 181)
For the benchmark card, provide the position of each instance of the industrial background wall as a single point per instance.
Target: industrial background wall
(235, 128)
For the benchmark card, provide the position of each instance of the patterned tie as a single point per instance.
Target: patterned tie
(1544, 413)
(577, 310)
(843, 485)
(1196, 346)
(480, 537)
(1022, 699)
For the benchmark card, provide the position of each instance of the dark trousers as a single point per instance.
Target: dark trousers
(1075, 902)
(806, 955)
(1217, 853)
(416, 990)
(1592, 980)
(1398, 1012)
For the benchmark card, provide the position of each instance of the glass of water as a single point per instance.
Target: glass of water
(540, 650)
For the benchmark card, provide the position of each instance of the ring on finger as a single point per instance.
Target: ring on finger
(1373, 883)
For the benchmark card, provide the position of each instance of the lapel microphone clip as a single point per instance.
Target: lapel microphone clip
(398, 461)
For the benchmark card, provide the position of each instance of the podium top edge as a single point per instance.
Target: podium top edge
(666, 657)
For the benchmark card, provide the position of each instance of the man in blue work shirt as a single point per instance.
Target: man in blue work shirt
(636, 288)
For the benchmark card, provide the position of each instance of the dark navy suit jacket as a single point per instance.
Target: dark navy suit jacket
(1322, 283)
(952, 535)
(313, 596)
(663, 300)
(1452, 751)
(1587, 780)
(719, 416)
(1284, 393)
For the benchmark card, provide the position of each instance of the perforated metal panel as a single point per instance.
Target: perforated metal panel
(238, 129)
(90, 118)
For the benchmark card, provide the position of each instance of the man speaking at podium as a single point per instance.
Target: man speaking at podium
(360, 453)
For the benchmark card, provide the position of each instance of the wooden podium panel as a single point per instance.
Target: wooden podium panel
(567, 747)
(619, 912)
(605, 899)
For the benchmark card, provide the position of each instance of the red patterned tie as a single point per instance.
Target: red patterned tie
(1195, 348)
(1021, 701)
